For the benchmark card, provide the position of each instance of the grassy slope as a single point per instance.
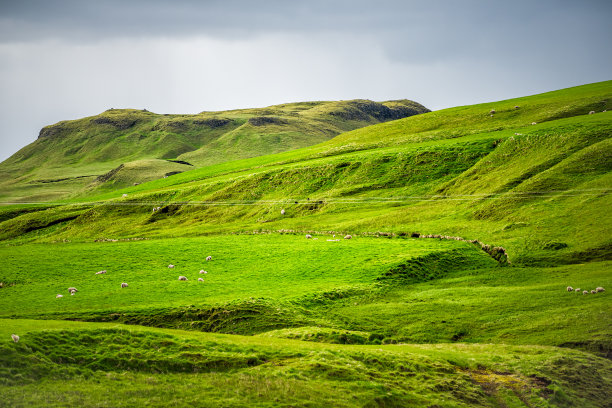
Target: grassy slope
(71, 154)
(72, 363)
(539, 190)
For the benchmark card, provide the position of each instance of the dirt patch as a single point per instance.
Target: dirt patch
(492, 382)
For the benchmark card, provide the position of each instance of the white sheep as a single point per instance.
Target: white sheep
(124, 195)
(203, 271)
(492, 111)
(182, 278)
(570, 289)
(599, 289)
(59, 296)
(283, 211)
(593, 292)
(200, 280)
(577, 289)
(124, 285)
(308, 236)
(348, 236)
(534, 123)
(15, 337)
(72, 290)
(585, 292)
(171, 266)
(101, 272)
(591, 112)
(209, 258)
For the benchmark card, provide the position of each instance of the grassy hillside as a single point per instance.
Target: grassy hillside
(467, 225)
(71, 155)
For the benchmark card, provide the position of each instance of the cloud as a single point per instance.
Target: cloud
(72, 58)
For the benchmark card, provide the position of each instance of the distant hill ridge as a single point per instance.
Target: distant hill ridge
(74, 153)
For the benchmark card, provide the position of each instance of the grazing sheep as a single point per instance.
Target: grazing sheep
(599, 289)
(183, 278)
(517, 107)
(200, 280)
(124, 285)
(124, 195)
(101, 272)
(15, 337)
(209, 258)
(308, 236)
(570, 289)
(585, 292)
(171, 266)
(348, 236)
(591, 112)
(534, 123)
(593, 292)
(492, 111)
(59, 296)
(71, 290)
(283, 211)
(577, 289)
(203, 271)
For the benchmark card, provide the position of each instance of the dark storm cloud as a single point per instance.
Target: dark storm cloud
(408, 30)
(66, 59)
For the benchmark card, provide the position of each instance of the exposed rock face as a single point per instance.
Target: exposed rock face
(364, 109)
(53, 130)
(109, 175)
(266, 120)
(212, 123)
(118, 123)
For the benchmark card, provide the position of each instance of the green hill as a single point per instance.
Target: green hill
(466, 227)
(70, 155)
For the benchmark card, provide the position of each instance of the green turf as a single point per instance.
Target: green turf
(92, 364)
(420, 308)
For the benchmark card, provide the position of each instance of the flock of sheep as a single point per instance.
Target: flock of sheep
(586, 292)
(73, 290)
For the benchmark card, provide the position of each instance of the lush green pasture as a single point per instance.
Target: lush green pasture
(93, 364)
(347, 291)
(243, 266)
(382, 319)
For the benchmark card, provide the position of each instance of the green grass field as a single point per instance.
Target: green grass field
(418, 308)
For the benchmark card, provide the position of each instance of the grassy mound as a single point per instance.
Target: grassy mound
(86, 363)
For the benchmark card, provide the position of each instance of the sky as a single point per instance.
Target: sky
(67, 59)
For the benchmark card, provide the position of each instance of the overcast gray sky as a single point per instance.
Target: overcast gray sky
(66, 59)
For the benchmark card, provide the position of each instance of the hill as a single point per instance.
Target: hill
(71, 155)
(420, 262)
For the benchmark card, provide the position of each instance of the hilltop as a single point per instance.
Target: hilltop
(120, 147)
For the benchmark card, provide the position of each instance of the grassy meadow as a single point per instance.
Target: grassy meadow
(416, 309)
